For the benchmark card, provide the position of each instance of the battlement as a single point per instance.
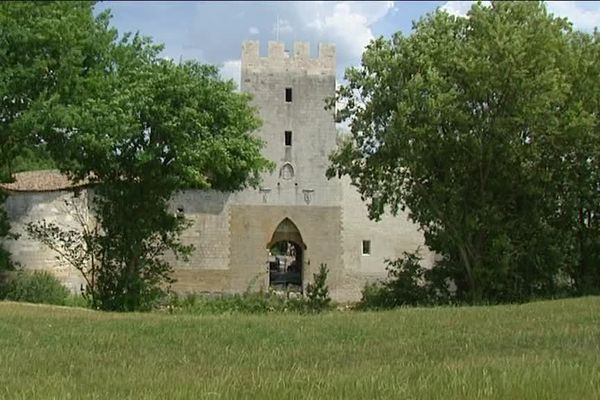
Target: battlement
(278, 57)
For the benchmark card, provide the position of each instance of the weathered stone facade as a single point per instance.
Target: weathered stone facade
(232, 232)
(56, 207)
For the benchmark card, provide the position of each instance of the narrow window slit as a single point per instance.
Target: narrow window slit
(366, 247)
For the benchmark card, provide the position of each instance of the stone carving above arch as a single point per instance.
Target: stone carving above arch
(265, 194)
(308, 195)
(286, 172)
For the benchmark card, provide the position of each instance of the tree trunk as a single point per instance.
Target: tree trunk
(473, 290)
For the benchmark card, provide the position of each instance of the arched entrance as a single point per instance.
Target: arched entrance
(286, 257)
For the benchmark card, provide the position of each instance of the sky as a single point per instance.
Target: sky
(212, 32)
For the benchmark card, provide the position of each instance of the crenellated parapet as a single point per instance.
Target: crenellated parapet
(277, 57)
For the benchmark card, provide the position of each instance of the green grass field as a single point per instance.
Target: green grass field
(545, 350)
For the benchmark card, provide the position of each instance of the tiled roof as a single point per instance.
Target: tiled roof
(39, 181)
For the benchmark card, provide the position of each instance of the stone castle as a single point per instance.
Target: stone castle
(277, 235)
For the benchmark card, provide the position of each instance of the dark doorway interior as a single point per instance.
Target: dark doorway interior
(286, 257)
(285, 266)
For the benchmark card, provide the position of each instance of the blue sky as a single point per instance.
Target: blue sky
(212, 32)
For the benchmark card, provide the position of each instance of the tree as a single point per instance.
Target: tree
(42, 45)
(576, 158)
(139, 128)
(163, 127)
(455, 123)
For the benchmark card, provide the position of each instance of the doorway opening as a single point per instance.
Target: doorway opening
(286, 258)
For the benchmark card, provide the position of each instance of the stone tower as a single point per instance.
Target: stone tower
(289, 92)
(296, 203)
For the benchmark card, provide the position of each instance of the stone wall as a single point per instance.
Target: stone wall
(389, 238)
(231, 240)
(254, 227)
(208, 213)
(207, 269)
(251, 229)
(57, 207)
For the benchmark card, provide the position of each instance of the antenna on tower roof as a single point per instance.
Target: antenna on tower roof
(277, 28)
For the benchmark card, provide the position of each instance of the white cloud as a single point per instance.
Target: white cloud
(232, 69)
(584, 15)
(347, 24)
(253, 30)
(584, 18)
(460, 8)
(349, 30)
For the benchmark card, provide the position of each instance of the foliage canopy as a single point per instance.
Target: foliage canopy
(485, 128)
(136, 126)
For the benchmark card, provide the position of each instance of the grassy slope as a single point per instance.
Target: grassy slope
(546, 350)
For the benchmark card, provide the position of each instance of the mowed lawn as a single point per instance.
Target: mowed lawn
(543, 350)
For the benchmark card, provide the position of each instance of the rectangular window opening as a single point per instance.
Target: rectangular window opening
(366, 247)
(288, 95)
(288, 138)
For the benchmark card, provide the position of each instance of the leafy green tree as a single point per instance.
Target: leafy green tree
(455, 123)
(153, 129)
(42, 45)
(574, 161)
(33, 158)
(139, 128)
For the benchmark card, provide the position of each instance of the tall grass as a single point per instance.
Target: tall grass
(545, 350)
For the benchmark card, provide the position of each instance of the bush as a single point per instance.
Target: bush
(374, 297)
(36, 287)
(248, 303)
(409, 284)
(317, 293)
(6, 263)
(245, 303)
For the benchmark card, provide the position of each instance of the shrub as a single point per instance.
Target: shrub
(244, 303)
(317, 299)
(374, 297)
(36, 287)
(408, 285)
(317, 293)
(6, 264)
